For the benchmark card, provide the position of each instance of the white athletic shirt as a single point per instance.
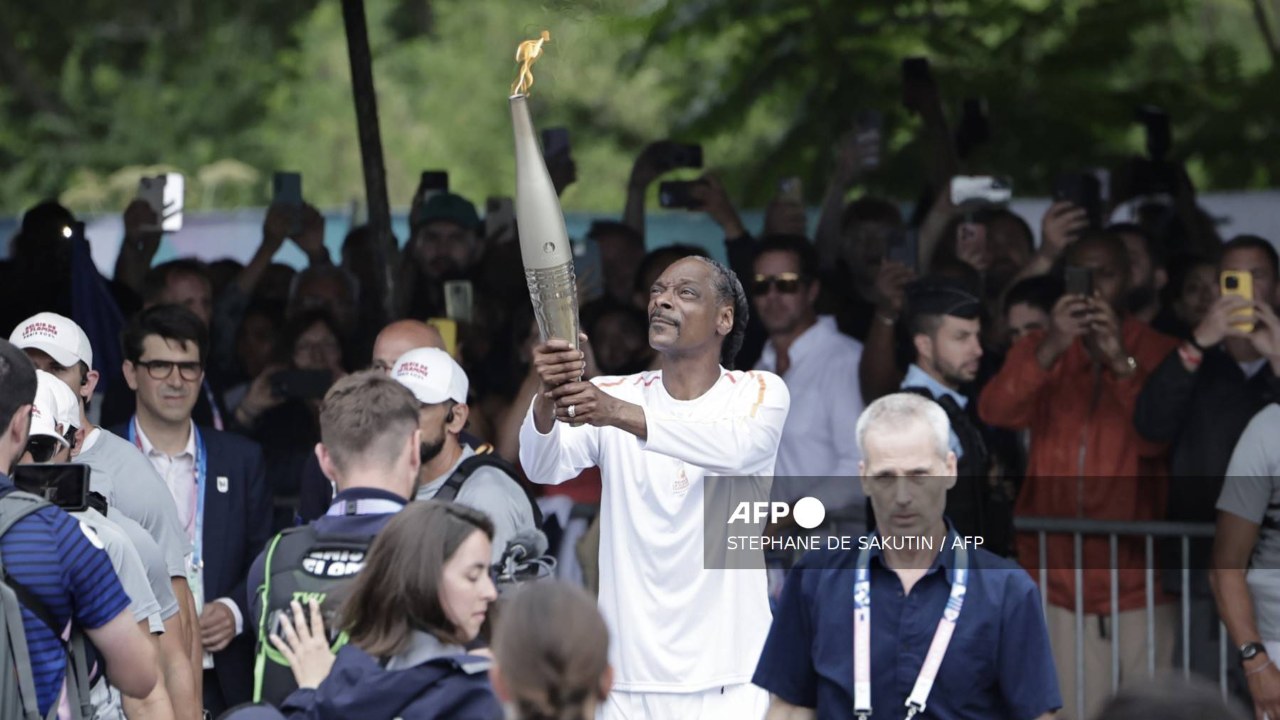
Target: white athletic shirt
(675, 627)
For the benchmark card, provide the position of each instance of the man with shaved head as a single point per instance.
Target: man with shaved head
(1075, 387)
(399, 338)
(396, 339)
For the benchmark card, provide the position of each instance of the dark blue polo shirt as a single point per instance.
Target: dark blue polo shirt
(63, 564)
(998, 665)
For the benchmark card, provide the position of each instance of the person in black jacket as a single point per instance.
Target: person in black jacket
(943, 321)
(423, 594)
(1200, 399)
(1205, 392)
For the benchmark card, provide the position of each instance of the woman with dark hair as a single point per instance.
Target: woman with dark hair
(551, 654)
(423, 593)
(281, 410)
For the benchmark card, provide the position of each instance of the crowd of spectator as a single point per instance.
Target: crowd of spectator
(233, 416)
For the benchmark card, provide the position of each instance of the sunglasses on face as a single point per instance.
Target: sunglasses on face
(786, 283)
(42, 448)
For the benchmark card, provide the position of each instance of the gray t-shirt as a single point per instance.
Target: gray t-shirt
(152, 562)
(128, 566)
(494, 493)
(124, 476)
(1251, 491)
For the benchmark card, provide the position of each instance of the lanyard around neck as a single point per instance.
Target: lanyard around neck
(364, 506)
(937, 649)
(201, 472)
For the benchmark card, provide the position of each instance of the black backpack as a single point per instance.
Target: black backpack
(301, 564)
(525, 558)
(449, 491)
(973, 505)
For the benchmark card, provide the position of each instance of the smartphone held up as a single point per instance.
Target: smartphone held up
(1084, 190)
(867, 138)
(286, 190)
(165, 194)
(678, 194)
(1240, 284)
(499, 220)
(980, 189)
(1078, 281)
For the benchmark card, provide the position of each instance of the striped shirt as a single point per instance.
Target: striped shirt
(62, 563)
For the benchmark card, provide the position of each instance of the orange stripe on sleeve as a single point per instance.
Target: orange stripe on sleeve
(760, 395)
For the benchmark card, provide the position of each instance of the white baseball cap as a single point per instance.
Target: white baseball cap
(54, 407)
(432, 376)
(56, 335)
(66, 403)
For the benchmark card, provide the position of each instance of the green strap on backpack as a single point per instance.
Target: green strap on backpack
(301, 564)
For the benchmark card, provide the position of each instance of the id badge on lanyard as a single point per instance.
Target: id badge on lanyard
(195, 563)
(937, 649)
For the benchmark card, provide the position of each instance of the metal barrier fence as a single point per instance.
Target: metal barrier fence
(1078, 529)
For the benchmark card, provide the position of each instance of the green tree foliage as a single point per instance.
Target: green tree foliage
(1061, 79)
(95, 93)
(91, 87)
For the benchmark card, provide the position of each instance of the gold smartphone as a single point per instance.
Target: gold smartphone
(1239, 282)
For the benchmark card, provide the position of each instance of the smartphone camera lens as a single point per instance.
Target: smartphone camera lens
(1233, 283)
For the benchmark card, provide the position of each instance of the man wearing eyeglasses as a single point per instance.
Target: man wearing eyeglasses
(817, 455)
(217, 483)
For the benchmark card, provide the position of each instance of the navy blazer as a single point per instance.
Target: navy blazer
(237, 525)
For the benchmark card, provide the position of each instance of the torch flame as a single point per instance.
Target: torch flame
(526, 54)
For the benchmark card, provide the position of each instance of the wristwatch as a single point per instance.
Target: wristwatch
(1250, 650)
(1130, 366)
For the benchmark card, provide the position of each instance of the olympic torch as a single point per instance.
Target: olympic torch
(544, 242)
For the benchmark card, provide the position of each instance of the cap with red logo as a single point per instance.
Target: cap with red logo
(56, 335)
(431, 375)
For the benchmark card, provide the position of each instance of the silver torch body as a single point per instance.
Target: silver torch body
(544, 242)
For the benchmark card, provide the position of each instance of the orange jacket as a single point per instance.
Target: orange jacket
(1087, 460)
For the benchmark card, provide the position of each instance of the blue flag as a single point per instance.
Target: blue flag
(95, 311)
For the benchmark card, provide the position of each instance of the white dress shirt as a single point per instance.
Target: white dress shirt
(820, 438)
(179, 475)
